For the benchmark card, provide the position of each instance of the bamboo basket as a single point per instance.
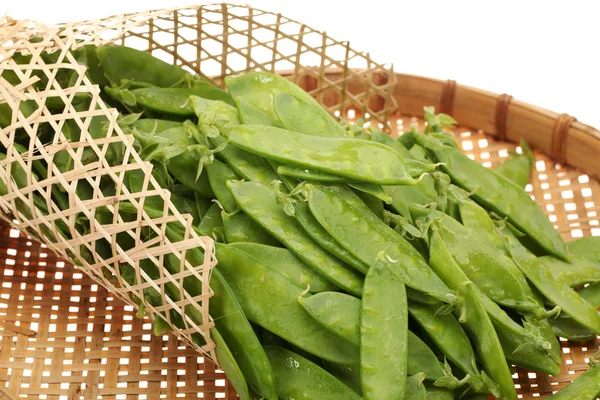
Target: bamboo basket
(65, 334)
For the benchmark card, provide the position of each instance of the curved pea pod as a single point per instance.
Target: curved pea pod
(383, 334)
(577, 272)
(447, 334)
(517, 168)
(243, 343)
(585, 387)
(419, 153)
(212, 224)
(477, 323)
(380, 137)
(586, 247)
(555, 290)
(566, 327)
(121, 63)
(172, 101)
(489, 267)
(309, 175)
(269, 300)
(356, 159)
(364, 236)
(218, 175)
(372, 202)
(415, 388)
(312, 227)
(258, 202)
(300, 379)
(499, 194)
(298, 115)
(238, 227)
(285, 263)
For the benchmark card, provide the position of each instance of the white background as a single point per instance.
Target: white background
(542, 52)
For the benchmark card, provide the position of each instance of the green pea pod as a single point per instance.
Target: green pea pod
(218, 174)
(477, 323)
(383, 333)
(566, 327)
(415, 388)
(375, 191)
(258, 202)
(340, 313)
(172, 101)
(497, 193)
(239, 227)
(585, 387)
(274, 306)
(575, 273)
(285, 263)
(212, 224)
(296, 114)
(310, 175)
(355, 159)
(365, 236)
(312, 227)
(238, 334)
(419, 153)
(121, 63)
(447, 334)
(300, 379)
(380, 137)
(228, 364)
(555, 290)
(587, 247)
(517, 168)
(155, 125)
(489, 267)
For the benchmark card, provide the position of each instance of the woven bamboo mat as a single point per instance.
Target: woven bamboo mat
(62, 336)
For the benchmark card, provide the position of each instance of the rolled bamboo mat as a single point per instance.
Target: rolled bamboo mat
(62, 336)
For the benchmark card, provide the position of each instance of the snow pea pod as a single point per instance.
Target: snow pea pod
(349, 375)
(258, 202)
(564, 326)
(298, 115)
(257, 90)
(517, 168)
(575, 273)
(364, 236)
(383, 334)
(340, 313)
(380, 137)
(172, 101)
(300, 379)
(155, 125)
(447, 334)
(353, 158)
(585, 387)
(403, 196)
(285, 263)
(238, 227)
(312, 227)
(275, 308)
(555, 290)
(499, 194)
(477, 323)
(489, 267)
(586, 247)
(121, 63)
(218, 174)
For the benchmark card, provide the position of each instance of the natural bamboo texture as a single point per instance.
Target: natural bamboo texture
(64, 336)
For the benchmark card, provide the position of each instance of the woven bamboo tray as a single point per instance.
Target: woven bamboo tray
(63, 336)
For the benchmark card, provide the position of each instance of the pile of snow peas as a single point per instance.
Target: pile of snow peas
(350, 264)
